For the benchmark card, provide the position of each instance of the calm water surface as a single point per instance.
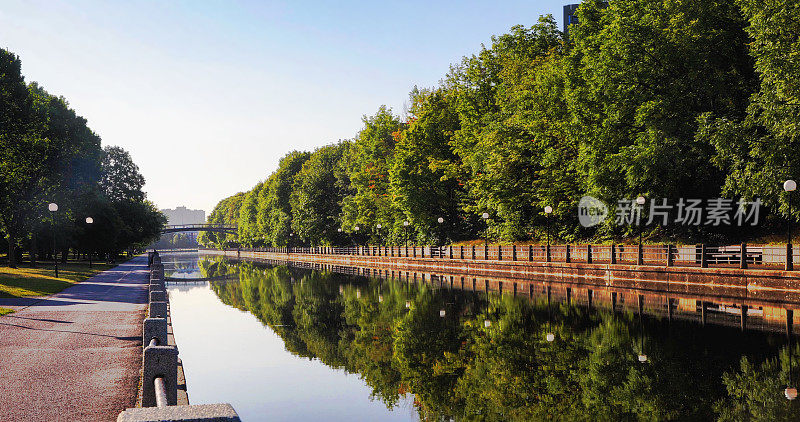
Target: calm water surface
(282, 343)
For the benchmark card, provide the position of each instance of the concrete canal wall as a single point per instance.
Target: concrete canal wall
(701, 304)
(764, 284)
(162, 390)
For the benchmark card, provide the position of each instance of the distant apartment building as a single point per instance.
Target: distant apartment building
(569, 18)
(183, 215)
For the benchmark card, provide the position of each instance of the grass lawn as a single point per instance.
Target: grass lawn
(22, 281)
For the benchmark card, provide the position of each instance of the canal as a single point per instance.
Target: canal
(285, 343)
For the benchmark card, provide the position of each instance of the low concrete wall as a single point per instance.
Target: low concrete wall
(160, 360)
(754, 283)
(222, 412)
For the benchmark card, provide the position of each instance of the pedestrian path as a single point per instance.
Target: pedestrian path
(75, 355)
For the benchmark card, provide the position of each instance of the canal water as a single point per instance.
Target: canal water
(286, 343)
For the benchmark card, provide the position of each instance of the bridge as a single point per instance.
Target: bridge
(219, 228)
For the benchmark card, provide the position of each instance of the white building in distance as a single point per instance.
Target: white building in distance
(183, 215)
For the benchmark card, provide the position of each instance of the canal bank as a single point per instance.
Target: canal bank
(764, 284)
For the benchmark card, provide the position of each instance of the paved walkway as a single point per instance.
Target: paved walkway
(75, 355)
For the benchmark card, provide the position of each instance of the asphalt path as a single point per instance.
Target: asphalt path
(75, 355)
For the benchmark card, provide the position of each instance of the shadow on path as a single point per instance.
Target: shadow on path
(129, 338)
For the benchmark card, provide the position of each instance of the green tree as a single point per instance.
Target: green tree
(121, 178)
(21, 151)
(274, 208)
(642, 74)
(511, 141)
(371, 157)
(249, 230)
(422, 185)
(316, 200)
(226, 212)
(758, 151)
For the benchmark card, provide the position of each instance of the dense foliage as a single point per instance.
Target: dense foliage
(665, 99)
(457, 367)
(49, 155)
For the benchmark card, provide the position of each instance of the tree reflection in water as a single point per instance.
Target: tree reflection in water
(456, 366)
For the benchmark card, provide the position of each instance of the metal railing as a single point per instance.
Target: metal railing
(200, 226)
(700, 255)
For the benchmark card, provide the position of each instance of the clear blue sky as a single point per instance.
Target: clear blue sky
(207, 96)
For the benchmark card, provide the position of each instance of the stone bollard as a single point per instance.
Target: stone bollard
(158, 296)
(154, 328)
(158, 310)
(159, 361)
(159, 291)
(157, 272)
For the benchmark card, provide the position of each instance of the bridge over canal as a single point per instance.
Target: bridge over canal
(217, 228)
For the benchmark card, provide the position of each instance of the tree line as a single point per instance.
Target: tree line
(48, 154)
(653, 98)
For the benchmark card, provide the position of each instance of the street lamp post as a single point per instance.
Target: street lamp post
(378, 230)
(90, 220)
(789, 186)
(53, 207)
(548, 210)
(355, 238)
(440, 220)
(640, 259)
(485, 217)
(405, 227)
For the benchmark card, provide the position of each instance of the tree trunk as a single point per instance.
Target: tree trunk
(34, 251)
(12, 252)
